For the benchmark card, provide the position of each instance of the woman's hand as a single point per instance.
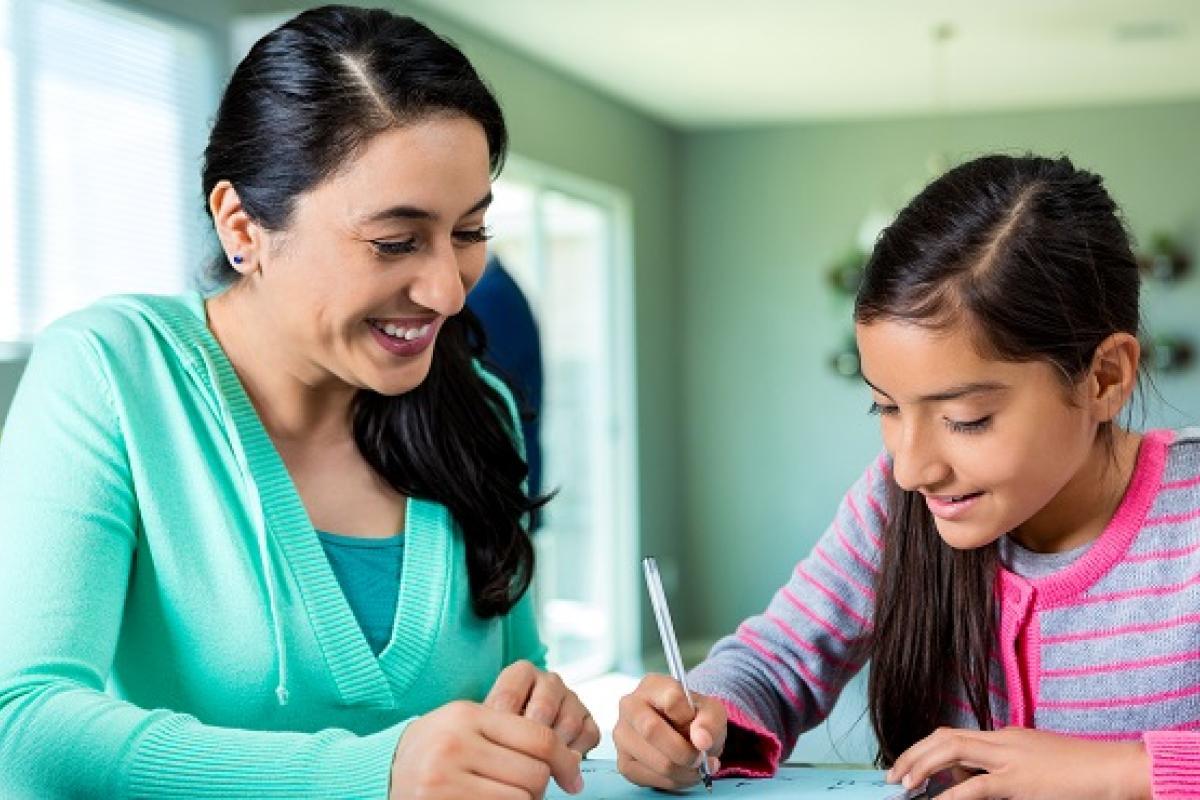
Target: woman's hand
(541, 696)
(659, 738)
(1024, 764)
(469, 750)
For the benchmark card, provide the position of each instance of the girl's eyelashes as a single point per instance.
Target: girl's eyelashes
(973, 426)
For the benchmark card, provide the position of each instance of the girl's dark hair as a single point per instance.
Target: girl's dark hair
(1032, 255)
(305, 101)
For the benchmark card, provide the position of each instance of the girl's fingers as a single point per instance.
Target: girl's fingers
(708, 729)
(944, 749)
(916, 752)
(649, 725)
(633, 747)
(668, 697)
(980, 787)
(904, 762)
(652, 734)
(643, 775)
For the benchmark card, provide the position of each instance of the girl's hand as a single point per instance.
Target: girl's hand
(541, 696)
(659, 737)
(1024, 764)
(468, 750)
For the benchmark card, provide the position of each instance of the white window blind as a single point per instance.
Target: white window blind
(105, 112)
(8, 162)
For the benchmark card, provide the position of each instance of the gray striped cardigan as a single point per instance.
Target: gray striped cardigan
(1106, 647)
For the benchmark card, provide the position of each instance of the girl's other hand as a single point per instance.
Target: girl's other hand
(541, 696)
(466, 749)
(1024, 764)
(659, 738)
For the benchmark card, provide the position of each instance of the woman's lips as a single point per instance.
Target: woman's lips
(410, 337)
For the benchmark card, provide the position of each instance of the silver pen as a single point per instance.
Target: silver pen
(666, 631)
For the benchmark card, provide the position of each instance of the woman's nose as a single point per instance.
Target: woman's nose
(439, 286)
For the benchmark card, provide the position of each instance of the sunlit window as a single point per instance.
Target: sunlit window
(8, 160)
(562, 244)
(104, 115)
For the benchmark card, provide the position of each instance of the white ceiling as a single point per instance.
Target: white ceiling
(702, 63)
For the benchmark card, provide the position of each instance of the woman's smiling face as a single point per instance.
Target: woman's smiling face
(988, 443)
(376, 257)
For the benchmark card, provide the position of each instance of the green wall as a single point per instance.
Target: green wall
(771, 437)
(10, 373)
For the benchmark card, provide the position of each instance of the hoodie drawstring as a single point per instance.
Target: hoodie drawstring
(260, 530)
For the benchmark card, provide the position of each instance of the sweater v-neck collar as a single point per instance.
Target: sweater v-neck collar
(360, 677)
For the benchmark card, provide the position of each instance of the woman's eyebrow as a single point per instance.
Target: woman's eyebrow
(415, 212)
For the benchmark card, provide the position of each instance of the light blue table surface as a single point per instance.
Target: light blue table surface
(602, 782)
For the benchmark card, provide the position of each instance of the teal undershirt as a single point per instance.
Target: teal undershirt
(369, 573)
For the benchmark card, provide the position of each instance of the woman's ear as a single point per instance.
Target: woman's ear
(240, 236)
(1113, 375)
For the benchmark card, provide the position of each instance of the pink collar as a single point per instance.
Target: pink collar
(1062, 587)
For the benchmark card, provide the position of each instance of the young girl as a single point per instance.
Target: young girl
(1020, 570)
(271, 542)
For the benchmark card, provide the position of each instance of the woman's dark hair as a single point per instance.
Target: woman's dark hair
(306, 100)
(1032, 255)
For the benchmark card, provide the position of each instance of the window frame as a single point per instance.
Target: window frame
(623, 589)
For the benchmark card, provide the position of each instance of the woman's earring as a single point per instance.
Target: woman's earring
(237, 259)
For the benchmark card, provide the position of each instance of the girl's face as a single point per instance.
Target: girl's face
(379, 255)
(990, 444)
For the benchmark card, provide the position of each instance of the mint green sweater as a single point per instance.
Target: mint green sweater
(169, 625)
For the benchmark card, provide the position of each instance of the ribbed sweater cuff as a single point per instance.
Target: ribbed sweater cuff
(1174, 764)
(181, 758)
(757, 751)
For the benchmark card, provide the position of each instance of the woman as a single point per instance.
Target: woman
(272, 541)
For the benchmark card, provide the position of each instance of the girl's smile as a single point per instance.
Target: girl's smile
(952, 507)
